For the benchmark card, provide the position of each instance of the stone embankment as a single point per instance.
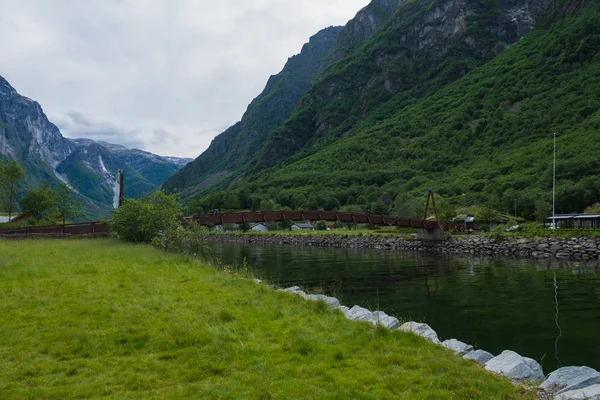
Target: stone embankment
(574, 248)
(566, 383)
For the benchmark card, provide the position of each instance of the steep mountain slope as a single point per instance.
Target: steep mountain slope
(487, 138)
(234, 147)
(425, 45)
(229, 154)
(28, 136)
(435, 99)
(89, 167)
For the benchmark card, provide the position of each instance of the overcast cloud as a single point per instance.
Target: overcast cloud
(164, 76)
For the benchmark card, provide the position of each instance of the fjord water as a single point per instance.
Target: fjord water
(494, 304)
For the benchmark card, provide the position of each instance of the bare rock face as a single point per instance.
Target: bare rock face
(422, 330)
(26, 132)
(364, 25)
(514, 366)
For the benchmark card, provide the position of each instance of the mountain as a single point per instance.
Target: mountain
(460, 95)
(88, 167)
(230, 153)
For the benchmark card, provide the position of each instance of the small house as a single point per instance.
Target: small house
(259, 227)
(591, 221)
(299, 226)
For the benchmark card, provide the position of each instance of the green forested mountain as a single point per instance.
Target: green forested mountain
(461, 96)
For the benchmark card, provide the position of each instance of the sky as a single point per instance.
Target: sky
(164, 76)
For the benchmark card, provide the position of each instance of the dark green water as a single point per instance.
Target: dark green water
(494, 304)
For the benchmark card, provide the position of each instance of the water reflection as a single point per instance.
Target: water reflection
(556, 320)
(494, 304)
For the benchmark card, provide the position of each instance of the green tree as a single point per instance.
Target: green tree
(231, 201)
(195, 207)
(486, 215)
(446, 211)
(268, 205)
(407, 206)
(379, 207)
(39, 202)
(543, 209)
(67, 204)
(141, 220)
(284, 225)
(321, 226)
(11, 175)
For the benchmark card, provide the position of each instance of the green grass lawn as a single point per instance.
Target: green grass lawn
(103, 319)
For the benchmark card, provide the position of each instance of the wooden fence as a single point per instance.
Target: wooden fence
(84, 228)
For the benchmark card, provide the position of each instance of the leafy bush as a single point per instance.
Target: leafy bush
(321, 226)
(187, 240)
(141, 220)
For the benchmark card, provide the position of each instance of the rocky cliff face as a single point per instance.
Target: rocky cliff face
(25, 132)
(364, 25)
(88, 167)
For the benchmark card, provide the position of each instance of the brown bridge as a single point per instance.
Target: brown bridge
(215, 219)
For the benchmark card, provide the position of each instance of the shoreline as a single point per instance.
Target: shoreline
(535, 248)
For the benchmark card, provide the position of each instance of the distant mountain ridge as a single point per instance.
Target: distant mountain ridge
(88, 167)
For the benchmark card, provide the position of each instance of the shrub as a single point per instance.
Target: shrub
(188, 240)
(321, 226)
(141, 220)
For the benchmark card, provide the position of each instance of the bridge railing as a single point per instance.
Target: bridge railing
(215, 219)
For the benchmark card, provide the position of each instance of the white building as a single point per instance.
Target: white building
(303, 227)
(259, 227)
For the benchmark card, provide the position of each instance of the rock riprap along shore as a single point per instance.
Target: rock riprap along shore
(566, 383)
(573, 248)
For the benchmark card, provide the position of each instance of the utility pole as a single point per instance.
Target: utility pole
(554, 186)
(121, 188)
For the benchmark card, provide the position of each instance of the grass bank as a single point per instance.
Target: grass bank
(103, 319)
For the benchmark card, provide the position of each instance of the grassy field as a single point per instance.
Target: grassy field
(103, 319)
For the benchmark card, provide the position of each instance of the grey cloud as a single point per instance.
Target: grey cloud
(75, 124)
(167, 74)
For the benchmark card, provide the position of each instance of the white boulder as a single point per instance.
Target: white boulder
(514, 366)
(457, 346)
(332, 302)
(422, 330)
(290, 289)
(386, 320)
(589, 393)
(479, 355)
(571, 378)
(358, 313)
